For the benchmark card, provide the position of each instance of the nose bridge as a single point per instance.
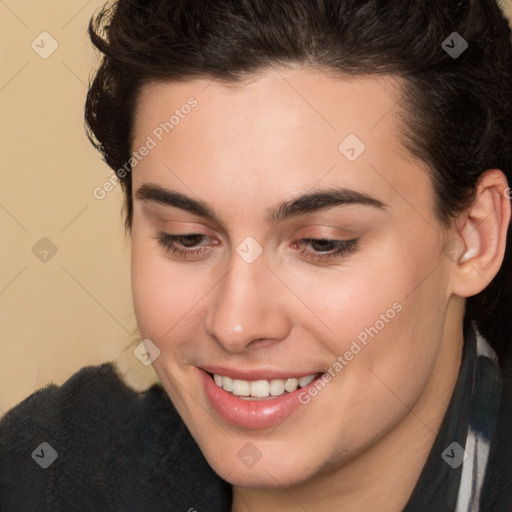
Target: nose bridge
(246, 305)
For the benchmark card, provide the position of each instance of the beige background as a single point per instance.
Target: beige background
(75, 308)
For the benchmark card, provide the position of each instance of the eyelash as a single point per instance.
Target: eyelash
(341, 247)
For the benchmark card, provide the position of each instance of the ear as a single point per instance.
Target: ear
(482, 233)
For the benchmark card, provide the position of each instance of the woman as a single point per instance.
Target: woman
(318, 202)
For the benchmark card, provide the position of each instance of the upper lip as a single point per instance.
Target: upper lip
(252, 374)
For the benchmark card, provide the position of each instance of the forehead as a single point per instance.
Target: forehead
(275, 98)
(289, 127)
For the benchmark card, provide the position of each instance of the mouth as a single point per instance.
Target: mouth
(255, 404)
(262, 389)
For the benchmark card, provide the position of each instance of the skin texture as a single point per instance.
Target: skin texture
(362, 441)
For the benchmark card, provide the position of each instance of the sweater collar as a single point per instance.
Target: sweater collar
(453, 475)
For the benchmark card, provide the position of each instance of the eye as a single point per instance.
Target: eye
(326, 249)
(184, 245)
(323, 249)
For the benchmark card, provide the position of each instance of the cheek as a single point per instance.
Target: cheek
(155, 289)
(385, 308)
(399, 346)
(342, 303)
(166, 295)
(343, 307)
(148, 287)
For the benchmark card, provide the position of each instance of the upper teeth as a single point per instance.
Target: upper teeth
(261, 388)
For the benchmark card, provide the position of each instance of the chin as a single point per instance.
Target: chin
(268, 476)
(274, 468)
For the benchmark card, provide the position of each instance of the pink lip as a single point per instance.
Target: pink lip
(251, 414)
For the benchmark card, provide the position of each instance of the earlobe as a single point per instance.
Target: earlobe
(483, 234)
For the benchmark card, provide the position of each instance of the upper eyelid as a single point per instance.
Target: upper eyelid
(205, 235)
(294, 224)
(343, 233)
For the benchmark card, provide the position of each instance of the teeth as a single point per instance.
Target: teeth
(241, 387)
(276, 387)
(304, 381)
(227, 383)
(261, 388)
(291, 385)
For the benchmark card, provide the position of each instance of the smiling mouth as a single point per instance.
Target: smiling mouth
(262, 389)
(255, 404)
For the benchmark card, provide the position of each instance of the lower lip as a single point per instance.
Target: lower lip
(251, 414)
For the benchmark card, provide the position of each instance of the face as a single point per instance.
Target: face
(271, 245)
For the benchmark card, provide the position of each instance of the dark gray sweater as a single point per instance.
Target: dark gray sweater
(119, 450)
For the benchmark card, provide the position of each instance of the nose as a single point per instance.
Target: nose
(248, 307)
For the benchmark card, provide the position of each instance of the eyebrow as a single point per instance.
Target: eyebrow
(312, 202)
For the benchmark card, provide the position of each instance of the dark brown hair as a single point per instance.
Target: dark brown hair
(459, 109)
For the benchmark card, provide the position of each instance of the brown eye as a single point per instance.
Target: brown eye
(326, 249)
(189, 240)
(185, 246)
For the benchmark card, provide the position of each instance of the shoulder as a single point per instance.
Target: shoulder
(94, 443)
(93, 397)
(43, 437)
